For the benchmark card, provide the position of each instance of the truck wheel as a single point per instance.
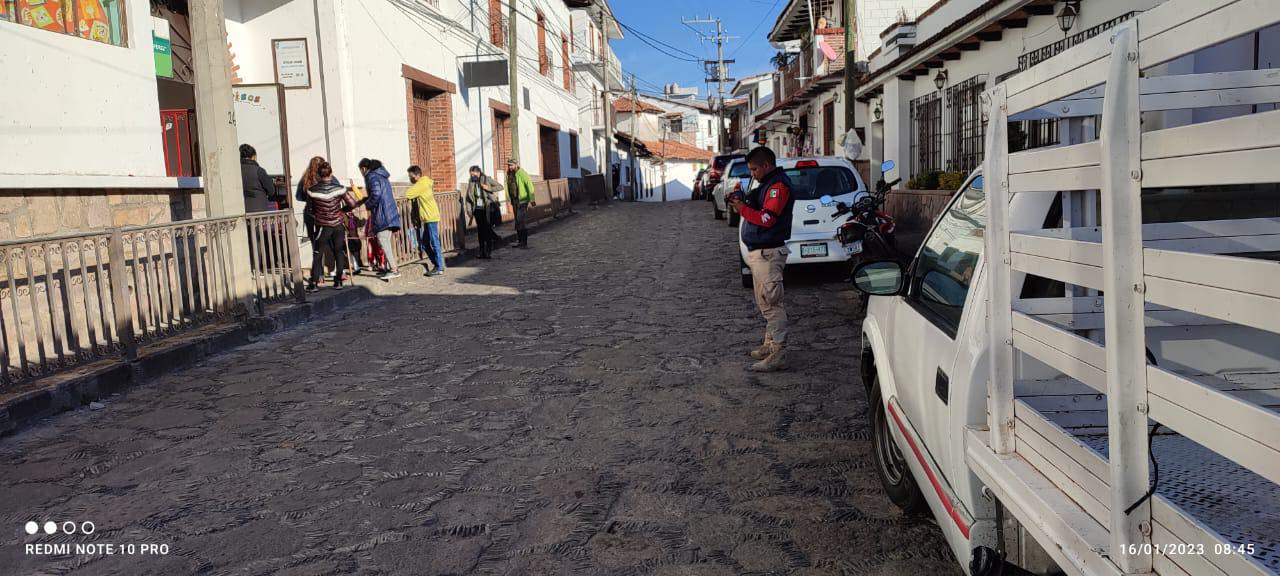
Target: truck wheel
(733, 219)
(891, 466)
(719, 214)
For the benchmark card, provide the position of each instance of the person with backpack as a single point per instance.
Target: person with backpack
(329, 203)
(423, 196)
(384, 216)
(481, 194)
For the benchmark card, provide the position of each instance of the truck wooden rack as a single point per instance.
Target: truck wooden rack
(1185, 332)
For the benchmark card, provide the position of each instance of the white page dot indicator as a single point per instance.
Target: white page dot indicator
(33, 527)
(50, 528)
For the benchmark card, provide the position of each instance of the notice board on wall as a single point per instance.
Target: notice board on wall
(260, 122)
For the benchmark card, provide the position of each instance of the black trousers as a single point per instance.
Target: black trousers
(331, 241)
(484, 230)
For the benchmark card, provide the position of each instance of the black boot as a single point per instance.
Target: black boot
(523, 236)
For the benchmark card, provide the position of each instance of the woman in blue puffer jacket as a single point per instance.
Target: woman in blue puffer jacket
(384, 217)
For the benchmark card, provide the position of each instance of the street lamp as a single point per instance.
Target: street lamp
(941, 79)
(1067, 16)
(878, 112)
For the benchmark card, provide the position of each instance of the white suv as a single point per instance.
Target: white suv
(736, 177)
(813, 231)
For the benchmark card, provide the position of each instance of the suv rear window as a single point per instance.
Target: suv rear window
(740, 169)
(818, 181)
(719, 161)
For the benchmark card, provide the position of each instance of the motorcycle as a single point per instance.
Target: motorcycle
(866, 223)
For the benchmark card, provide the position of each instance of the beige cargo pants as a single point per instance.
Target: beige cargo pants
(766, 267)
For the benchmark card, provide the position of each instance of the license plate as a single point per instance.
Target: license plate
(813, 250)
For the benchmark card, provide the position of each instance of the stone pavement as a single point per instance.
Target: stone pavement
(578, 408)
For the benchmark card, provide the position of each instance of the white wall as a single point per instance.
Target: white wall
(78, 108)
(874, 17)
(679, 174)
(364, 46)
(251, 26)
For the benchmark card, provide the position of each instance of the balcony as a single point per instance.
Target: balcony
(1034, 57)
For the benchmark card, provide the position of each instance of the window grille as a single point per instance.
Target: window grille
(966, 130)
(926, 134)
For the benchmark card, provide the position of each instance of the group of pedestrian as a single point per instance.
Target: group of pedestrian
(340, 219)
(485, 209)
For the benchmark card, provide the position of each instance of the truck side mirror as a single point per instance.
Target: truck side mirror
(881, 278)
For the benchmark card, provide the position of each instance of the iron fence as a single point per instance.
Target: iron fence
(72, 299)
(67, 300)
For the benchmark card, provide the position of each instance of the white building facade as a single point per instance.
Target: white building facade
(924, 84)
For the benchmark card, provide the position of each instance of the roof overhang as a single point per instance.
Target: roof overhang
(794, 22)
(614, 31)
(983, 23)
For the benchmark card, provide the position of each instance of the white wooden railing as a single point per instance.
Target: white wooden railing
(1175, 272)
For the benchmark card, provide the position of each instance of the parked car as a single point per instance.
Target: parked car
(698, 190)
(718, 165)
(813, 230)
(736, 178)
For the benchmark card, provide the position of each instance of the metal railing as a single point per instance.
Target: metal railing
(1039, 55)
(273, 255)
(72, 299)
(67, 300)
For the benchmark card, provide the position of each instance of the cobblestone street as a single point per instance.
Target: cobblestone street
(582, 407)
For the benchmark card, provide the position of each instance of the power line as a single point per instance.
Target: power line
(654, 42)
(753, 30)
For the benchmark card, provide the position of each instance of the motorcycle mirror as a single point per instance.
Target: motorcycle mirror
(827, 200)
(887, 166)
(977, 183)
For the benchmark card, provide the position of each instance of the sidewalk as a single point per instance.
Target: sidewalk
(28, 402)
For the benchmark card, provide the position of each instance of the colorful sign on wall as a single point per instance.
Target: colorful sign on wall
(162, 47)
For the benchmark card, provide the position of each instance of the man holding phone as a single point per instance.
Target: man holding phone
(766, 226)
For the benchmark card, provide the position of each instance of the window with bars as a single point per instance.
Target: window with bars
(926, 134)
(1028, 134)
(966, 130)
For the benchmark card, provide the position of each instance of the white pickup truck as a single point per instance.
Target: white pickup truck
(1095, 399)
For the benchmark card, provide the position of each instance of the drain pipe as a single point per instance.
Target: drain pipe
(324, 97)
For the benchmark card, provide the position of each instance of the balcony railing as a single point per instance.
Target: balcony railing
(1039, 55)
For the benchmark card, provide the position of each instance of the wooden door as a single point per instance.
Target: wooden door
(501, 141)
(828, 129)
(421, 133)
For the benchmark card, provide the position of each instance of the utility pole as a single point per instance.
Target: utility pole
(850, 59)
(604, 100)
(663, 154)
(632, 153)
(220, 159)
(720, 66)
(513, 71)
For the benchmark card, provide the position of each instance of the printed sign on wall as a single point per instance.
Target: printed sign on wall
(293, 66)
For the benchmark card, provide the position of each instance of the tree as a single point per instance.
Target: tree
(782, 60)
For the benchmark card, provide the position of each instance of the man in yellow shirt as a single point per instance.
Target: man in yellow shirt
(423, 196)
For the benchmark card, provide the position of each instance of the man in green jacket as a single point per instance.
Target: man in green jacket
(520, 193)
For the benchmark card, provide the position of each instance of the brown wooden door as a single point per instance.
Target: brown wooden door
(828, 129)
(421, 134)
(501, 141)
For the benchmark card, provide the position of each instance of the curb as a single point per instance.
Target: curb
(45, 397)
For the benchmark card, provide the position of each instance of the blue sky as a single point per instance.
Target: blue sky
(660, 19)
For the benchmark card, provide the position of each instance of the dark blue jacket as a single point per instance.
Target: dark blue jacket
(383, 214)
(759, 237)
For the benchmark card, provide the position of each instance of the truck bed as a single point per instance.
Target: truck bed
(1239, 505)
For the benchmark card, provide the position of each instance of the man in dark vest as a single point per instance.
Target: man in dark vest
(766, 227)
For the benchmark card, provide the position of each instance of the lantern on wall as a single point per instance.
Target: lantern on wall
(1068, 14)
